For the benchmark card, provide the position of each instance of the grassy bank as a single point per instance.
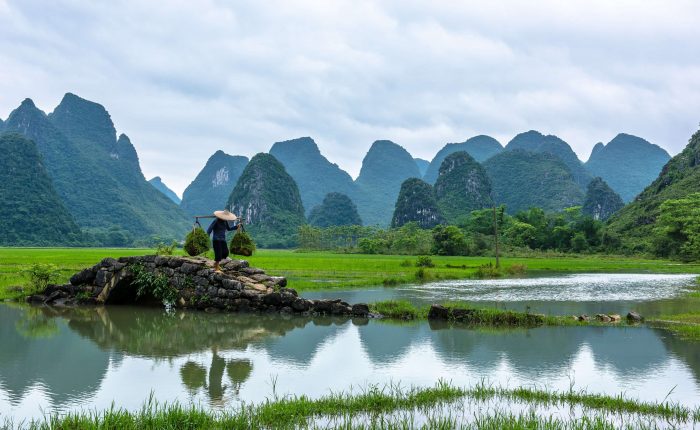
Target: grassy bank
(685, 325)
(318, 270)
(442, 406)
(468, 314)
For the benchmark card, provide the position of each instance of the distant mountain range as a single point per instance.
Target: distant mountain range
(32, 212)
(627, 163)
(157, 182)
(213, 185)
(384, 169)
(314, 174)
(481, 148)
(96, 176)
(535, 141)
(523, 179)
(269, 200)
(634, 224)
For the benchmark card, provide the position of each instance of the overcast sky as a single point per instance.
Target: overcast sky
(185, 78)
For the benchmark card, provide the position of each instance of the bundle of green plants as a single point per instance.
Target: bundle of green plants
(242, 243)
(197, 241)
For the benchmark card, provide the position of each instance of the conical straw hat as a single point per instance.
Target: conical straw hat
(225, 215)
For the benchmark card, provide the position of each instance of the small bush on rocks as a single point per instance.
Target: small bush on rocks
(163, 249)
(40, 276)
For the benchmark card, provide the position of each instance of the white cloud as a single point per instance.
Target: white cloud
(184, 79)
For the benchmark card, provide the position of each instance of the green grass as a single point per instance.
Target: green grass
(322, 270)
(14, 261)
(474, 316)
(316, 270)
(686, 324)
(441, 406)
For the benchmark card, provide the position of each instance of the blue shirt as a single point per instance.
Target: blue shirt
(220, 227)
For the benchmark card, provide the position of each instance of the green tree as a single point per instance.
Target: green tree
(678, 228)
(449, 240)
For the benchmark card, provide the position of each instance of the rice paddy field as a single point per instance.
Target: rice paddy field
(322, 270)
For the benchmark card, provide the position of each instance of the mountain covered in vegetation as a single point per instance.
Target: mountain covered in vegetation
(637, 224)
(601, 202)
(481, 148)
(384, 169)
(96, 175)
(157, 182)
(422, 165)
(32, 213)
(535, 141)
(524, 179)
(268, 198)
(336, 209)
(314, 174)
(627, 163)
(416, 203)
(462, 187)
(213, 185)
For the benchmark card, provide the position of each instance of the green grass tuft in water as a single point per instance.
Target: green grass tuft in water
(441, 406)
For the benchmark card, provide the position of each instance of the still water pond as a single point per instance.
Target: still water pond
(72, 359)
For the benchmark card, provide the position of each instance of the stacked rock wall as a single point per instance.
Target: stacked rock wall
(194, 283)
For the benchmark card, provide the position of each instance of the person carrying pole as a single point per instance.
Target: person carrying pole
(218, 228)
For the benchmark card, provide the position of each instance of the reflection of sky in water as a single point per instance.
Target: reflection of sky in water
(565, 294)
(323, 357)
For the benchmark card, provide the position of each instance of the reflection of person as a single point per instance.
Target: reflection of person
(219, 227)
(216, 376)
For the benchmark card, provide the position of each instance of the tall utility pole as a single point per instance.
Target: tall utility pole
(495, 234)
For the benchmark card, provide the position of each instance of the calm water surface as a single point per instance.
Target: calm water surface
(60, 360)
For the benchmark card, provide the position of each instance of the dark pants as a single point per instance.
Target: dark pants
(220, 250)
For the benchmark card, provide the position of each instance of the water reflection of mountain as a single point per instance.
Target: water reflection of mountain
(530, 352)
(684, 350)
(300, 346)
(629, 351)
(387, 341)
(38, 349)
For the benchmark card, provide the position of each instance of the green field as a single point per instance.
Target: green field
(322, 270)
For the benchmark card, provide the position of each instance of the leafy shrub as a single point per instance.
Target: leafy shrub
(424, 261)
(516, 269)
(488, 270)
(449, 240)
(197, 241)
(163, 249)
(423, 275)
(40, 276)
(242, 244)
(156, 285)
